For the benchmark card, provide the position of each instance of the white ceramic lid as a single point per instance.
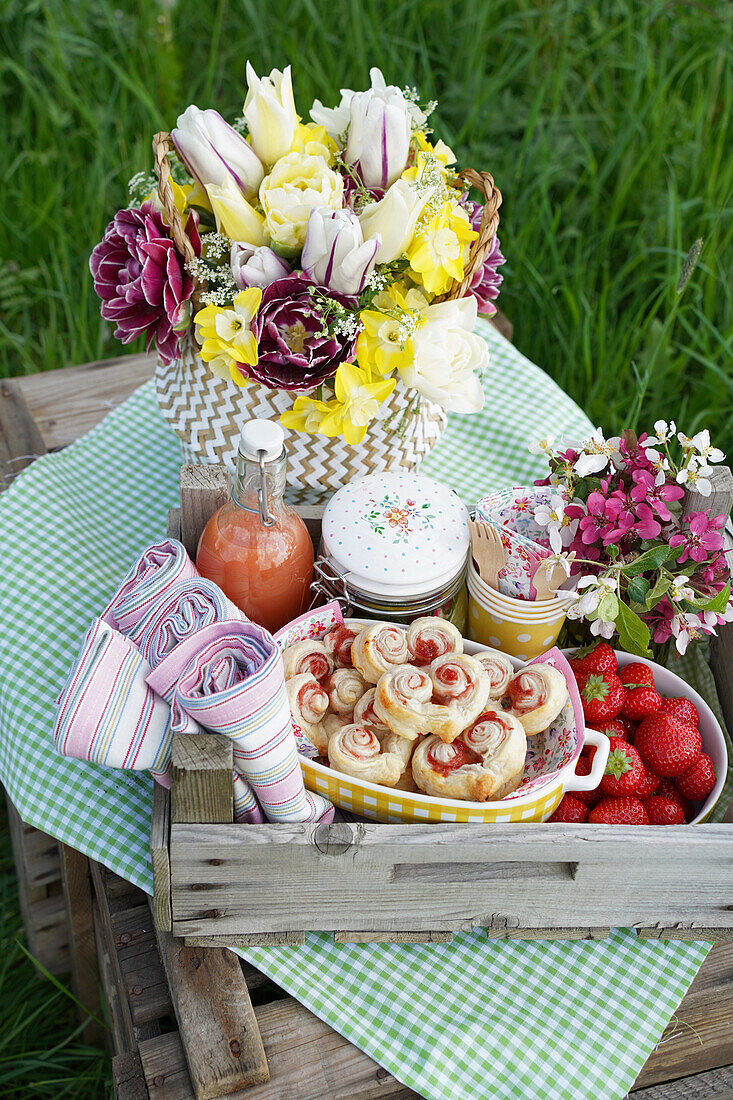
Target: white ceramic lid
(261, 435)
(396, 535)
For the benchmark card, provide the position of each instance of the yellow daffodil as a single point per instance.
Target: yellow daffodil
(306, 415)
(385, 342)
(314, 141)
(356, 403)
(226, 338)
(439, 250)
(440, 150)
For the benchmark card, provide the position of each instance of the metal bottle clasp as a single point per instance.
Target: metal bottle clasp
(331, 584)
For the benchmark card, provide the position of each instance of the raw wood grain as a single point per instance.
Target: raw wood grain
(160, 856)
(257, 939)
(716, 1084)
(201, 778)
(84, 973)
(219, 1032)
(203, 490)
(20, 439)
(392, 937)
(109, 964)
(719, 501)
(128, 1077)
(173, 529)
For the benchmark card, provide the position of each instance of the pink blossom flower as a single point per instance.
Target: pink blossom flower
(655, 491)
(646, 526)
(702, 538)
(659, 621)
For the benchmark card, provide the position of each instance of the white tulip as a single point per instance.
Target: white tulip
(256, 266)
(393, 219)
(269, 111)
(336, 119)
(335, 254)
(215, 153)
(448, 356)
(380, 130)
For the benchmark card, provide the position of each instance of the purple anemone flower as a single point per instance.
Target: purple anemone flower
(486, 280)
(293, 355)
(140, 277)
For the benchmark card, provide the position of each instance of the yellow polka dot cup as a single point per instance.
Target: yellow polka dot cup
(520, 628)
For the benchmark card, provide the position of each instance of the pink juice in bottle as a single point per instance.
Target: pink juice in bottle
(256, 548)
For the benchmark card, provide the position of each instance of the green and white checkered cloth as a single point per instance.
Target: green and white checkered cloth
(471, 1019)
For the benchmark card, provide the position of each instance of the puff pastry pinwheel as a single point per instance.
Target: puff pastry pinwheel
(365, 715)
(462, 685)
(402, 700)
(485, 762)
(378, 648)
(338, 642)
(500, 670)
(309, 656)
(345, 687)
(431, 637)
(355, 750)
(537, 694)
(308, 706)
(444, 698)
(334, 722)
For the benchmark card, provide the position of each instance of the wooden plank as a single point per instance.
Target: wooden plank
(128, 1078)
(716, 1084)
(548, 933)
(159, 853)
(142, 972)
(201, 778)
(105, 943)
(84, 973)
(699, 1036)
(173, 528)
(20, 439)
(204, 489)
(218, 1029)
(122, 1039)
(66, 403)
(229, 880)
(719, 501)
(392, 937)
(257, 939)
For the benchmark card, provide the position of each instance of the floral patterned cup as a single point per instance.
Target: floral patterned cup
(526, 543)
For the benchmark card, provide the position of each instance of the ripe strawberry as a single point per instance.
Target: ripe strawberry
(636, 673)
(583, 766)
(667, 789)
(647, 784)
(619, 811)
(598, 658)
(684, 710)
(640, 702)
(602, 695)
(624, 770)
(667, 746)
(570, 810)
(664, 811)
(613, 727)
(698, 781)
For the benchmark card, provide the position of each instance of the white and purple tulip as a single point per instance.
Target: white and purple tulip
(256, 266)
(379, 135)
(335, 254)
(214, 152)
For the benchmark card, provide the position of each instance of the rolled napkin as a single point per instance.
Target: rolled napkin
(157, 568)
(107, 711)
(229, 678)
(178, 612)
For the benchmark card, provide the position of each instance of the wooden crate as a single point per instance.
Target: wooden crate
(217, 882)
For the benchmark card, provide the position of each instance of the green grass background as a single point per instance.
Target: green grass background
(606, 123)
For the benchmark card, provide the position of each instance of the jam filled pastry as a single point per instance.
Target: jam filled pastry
(536, 696)
(365, 715)
(431, 637)
(444, 698)
(406, 782)
(500, 670)
(461, 684)
(355, 750)
(345, 687)
(485, 762)
(402, 700)
(378, 648)
(308, 656)
(308, 706)
(334, 722)
(339, 640)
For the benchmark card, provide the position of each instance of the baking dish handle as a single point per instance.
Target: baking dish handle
(590, 782)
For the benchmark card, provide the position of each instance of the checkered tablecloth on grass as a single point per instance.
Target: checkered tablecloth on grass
(470, 1020)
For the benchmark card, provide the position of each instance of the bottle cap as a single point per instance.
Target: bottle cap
(261, 435)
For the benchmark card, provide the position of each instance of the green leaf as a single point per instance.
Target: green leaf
(649, 560)
(608, 608)
(716, 603)
(637, 589)
(660, 588)
(633, 633)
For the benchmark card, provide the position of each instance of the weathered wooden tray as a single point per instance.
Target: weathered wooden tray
(219, 883)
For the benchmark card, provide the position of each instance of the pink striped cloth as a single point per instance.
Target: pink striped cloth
(108, 713)
(229, 678)
(152, 575)
(179, 611)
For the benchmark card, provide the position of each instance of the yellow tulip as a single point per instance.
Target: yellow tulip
(235, 217)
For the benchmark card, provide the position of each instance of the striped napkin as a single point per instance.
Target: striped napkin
(122, 701)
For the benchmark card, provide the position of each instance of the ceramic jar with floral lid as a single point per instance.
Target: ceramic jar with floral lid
(395, 547)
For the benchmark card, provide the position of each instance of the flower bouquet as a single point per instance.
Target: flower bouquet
(327, 272)
(644, 567)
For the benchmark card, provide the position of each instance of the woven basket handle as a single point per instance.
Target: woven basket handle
(483, 182)
(162, 146)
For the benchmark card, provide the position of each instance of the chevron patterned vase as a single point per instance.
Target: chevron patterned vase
(207, 414)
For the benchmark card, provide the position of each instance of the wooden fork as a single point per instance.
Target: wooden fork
(488, 550)
(547, 579)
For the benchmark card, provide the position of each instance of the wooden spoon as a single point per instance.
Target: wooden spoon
(488, 551)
